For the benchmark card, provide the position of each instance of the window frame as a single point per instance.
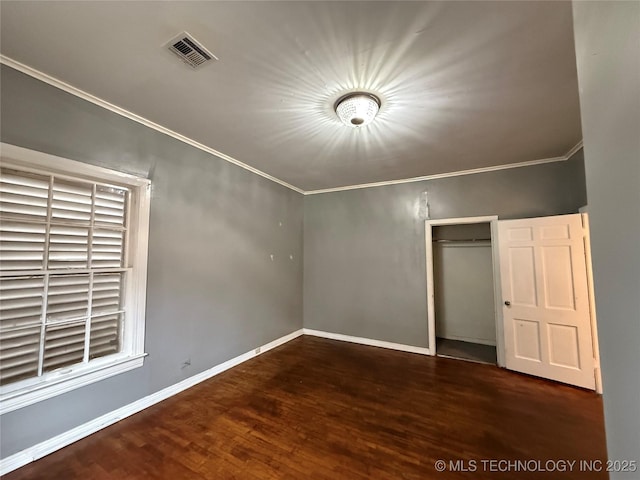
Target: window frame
(131, 356)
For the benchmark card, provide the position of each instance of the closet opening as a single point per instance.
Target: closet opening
(462, 289)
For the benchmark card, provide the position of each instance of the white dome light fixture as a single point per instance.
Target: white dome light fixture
(357, 109)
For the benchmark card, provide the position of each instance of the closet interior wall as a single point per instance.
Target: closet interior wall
(463, 281)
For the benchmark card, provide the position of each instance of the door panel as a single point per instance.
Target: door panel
(563, 346)
(524, 284)
(527, 339)
(557, 277)
(547, 324)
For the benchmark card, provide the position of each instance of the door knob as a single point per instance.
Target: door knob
(507, 303)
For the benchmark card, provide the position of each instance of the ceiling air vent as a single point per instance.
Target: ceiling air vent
(190, 51)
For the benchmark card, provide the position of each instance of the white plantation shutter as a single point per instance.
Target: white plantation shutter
(105, 336)
(110, 206)
(20, 301)
(21, 245)
(20, 326)
(62, 260)
(67, 298)
(68, 246)
(107, 248)
(23, 199)
(72, 202)
(63, 345)
(20, 354)
(106, 314)
(106, 294)
(24, 195)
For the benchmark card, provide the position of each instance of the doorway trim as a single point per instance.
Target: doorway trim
(592, 299)
(497, 295)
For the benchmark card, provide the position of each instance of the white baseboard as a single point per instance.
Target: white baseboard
(367, 341)
(35, 452)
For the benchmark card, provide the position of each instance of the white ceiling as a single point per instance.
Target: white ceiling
(463, 85)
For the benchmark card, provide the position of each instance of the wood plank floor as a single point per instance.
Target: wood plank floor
(323, 409)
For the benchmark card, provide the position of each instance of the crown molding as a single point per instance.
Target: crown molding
(575, 149)
(458, 173)
(55, 82)
(32, 72)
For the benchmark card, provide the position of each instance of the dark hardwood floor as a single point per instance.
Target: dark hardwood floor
(323, 409)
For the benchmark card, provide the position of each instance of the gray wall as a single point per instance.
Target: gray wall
(213, 290)
(607, 38)
(463, 296)
(364, 251)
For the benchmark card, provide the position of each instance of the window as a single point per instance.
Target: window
(73, 250)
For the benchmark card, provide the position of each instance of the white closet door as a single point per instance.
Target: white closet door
(547, 324)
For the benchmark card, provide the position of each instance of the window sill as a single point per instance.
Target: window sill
(65, 382)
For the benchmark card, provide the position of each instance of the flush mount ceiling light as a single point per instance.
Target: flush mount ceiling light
(357, 109)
